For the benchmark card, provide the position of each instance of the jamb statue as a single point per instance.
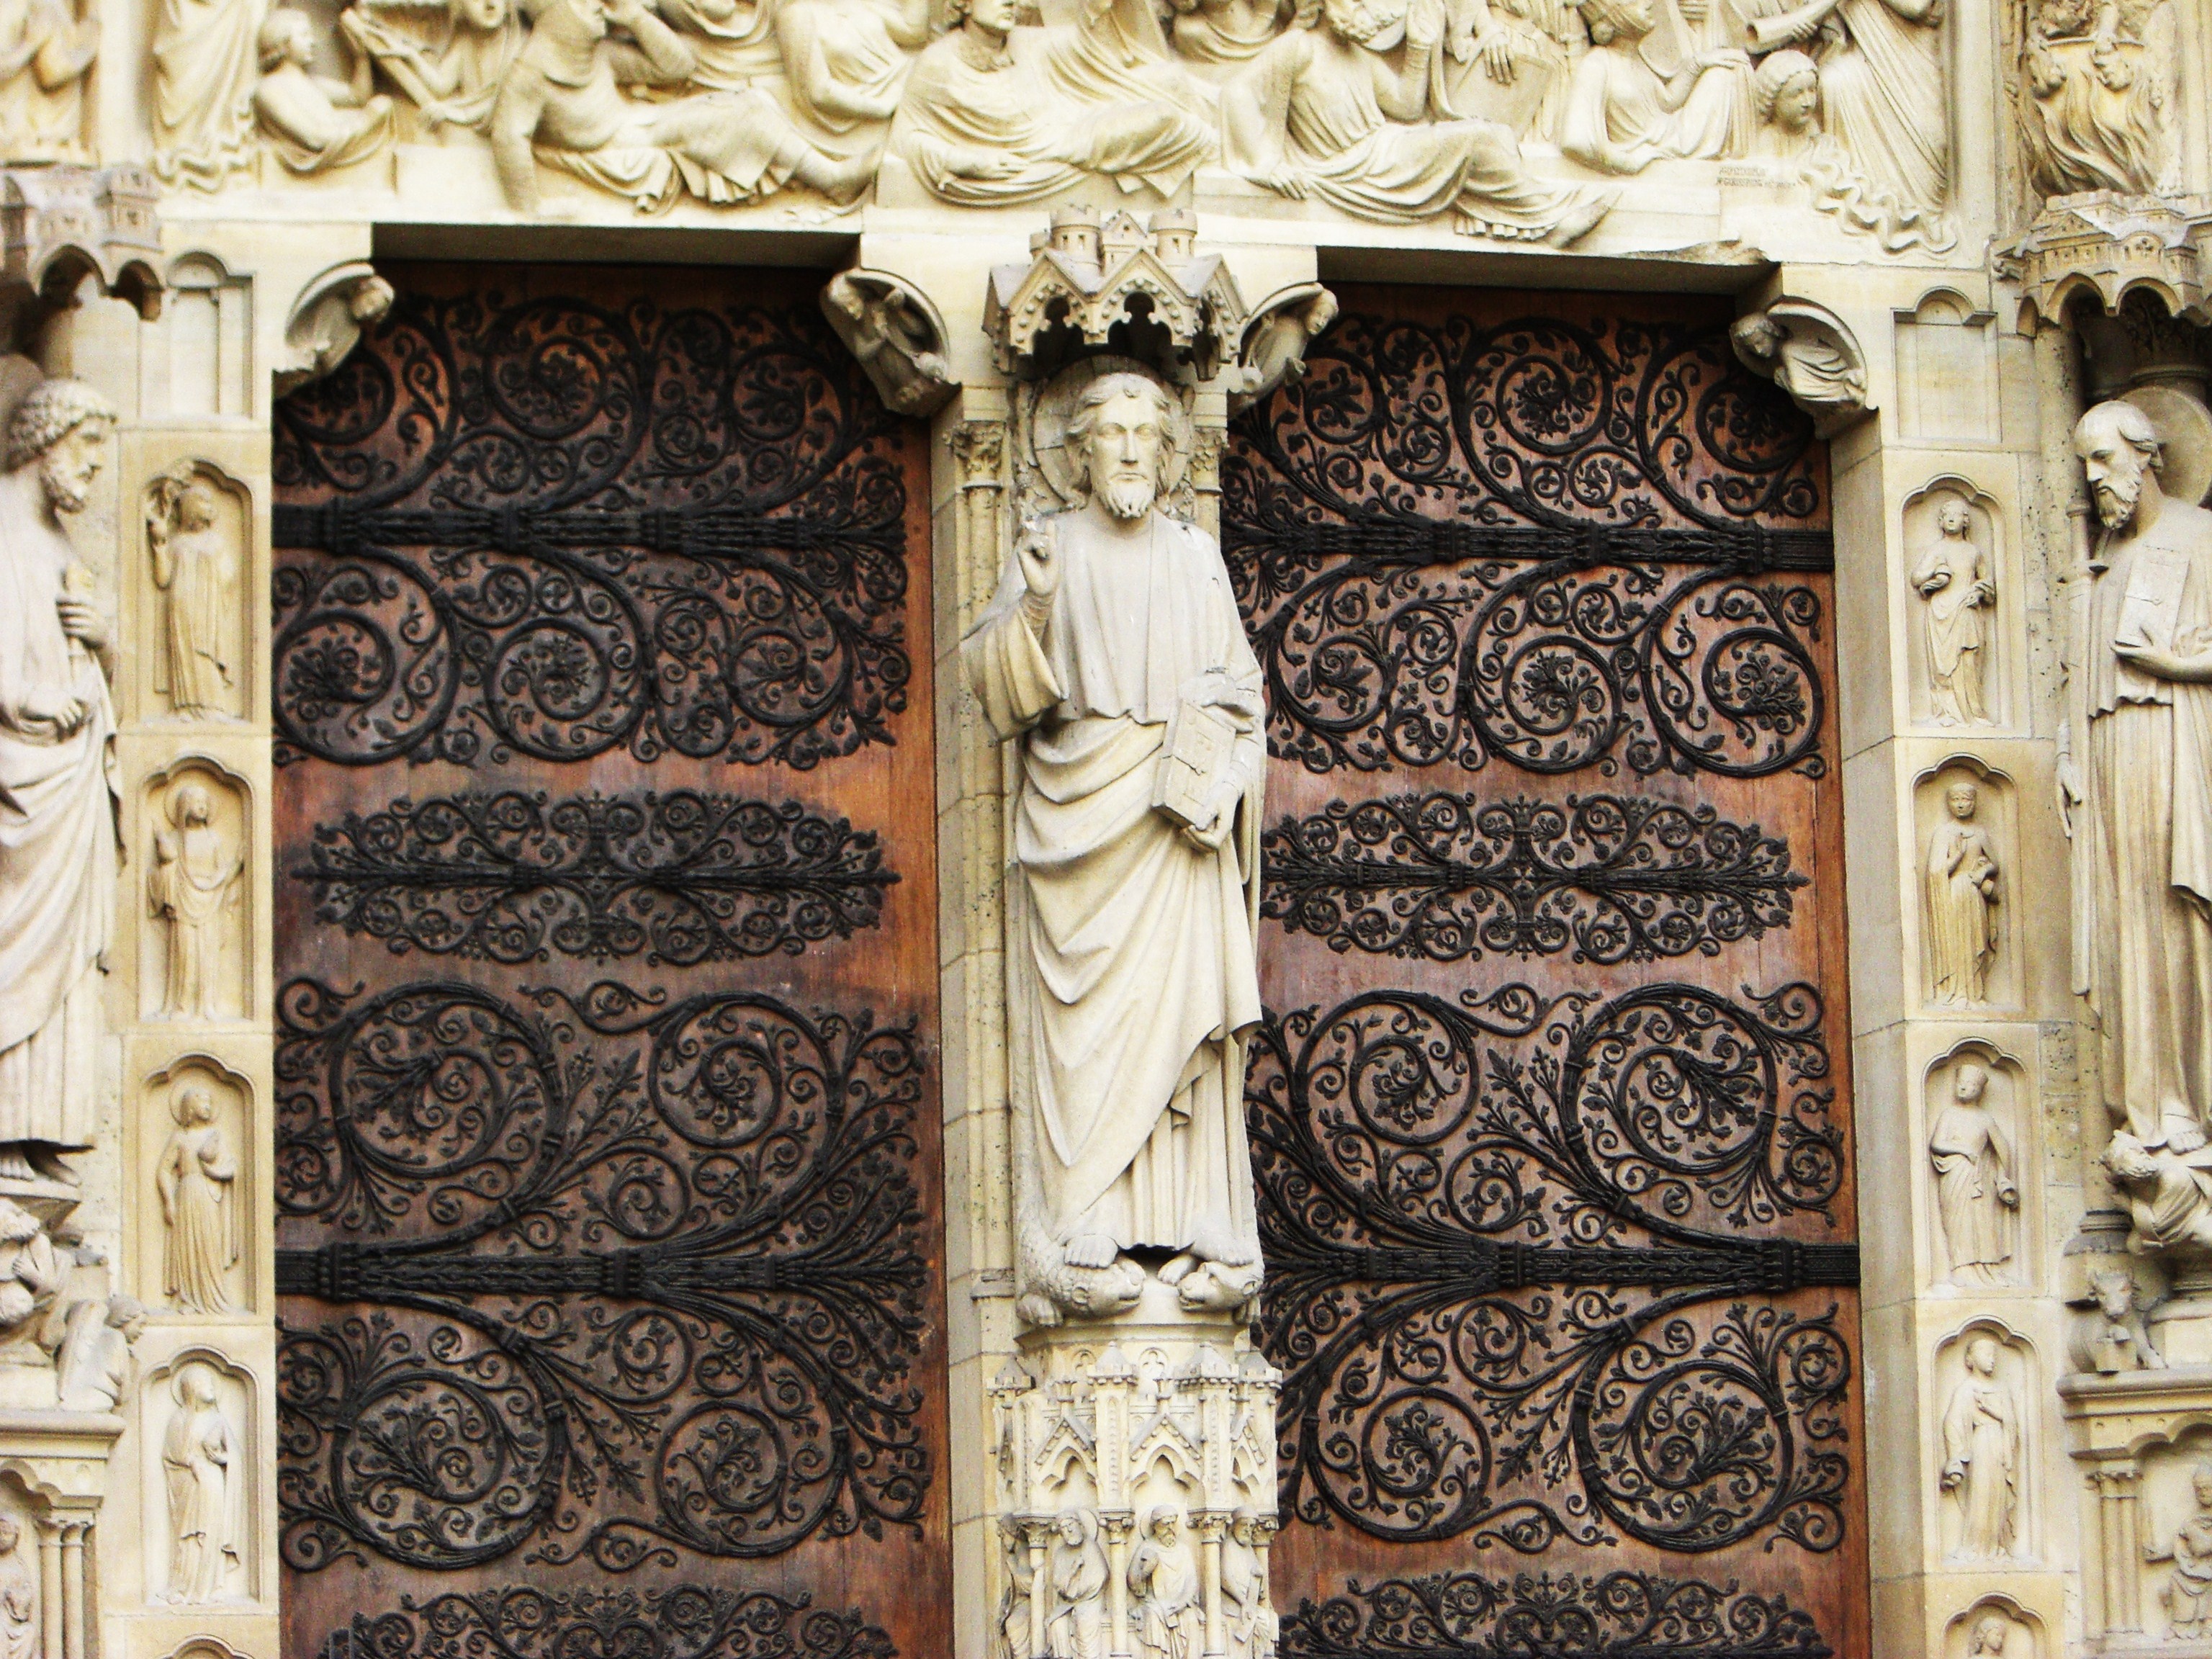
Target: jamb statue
(1116, 656)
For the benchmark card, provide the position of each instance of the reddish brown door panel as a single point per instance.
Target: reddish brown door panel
(610, 1238)
(1551, 1119)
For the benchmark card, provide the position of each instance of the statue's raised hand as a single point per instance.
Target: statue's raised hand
(1040, 561)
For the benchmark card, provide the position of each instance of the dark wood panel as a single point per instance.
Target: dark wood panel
(610, 1211)
(1553, 1123)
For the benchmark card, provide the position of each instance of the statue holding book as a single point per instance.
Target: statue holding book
(1114, 654)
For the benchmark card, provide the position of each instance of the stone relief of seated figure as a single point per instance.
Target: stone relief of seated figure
(845, 65)
(1323, 113)
(315, 122)
(561, 102)
(1622, 114)
(981, 123)
(1509, 61)
(451, 69)
(1217, 35)
(46, 52)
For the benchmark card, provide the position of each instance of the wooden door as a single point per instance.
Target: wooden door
(1552, 1120)
(609, 1199)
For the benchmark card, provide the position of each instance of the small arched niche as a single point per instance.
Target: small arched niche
(1994, 1627)
(200, 1428)
(1961, 597)
(1985, 1195)
(196, 894)
(196, 1193)
(1986, 1387)
(1966, 841)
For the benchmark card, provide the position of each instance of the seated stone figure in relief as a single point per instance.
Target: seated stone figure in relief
(1217, 35)
(1622, 114)
(561, 102)
(314, 122)
(981, 122)
(1323, 112)
(845, 65)
(1509, 61)
(453, 74)
(46, 52)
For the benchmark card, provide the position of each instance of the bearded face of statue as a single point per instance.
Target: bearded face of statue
(2115, 466)
(71, 463)
(1123, 454)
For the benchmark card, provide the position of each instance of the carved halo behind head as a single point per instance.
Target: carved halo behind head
(1061, 406)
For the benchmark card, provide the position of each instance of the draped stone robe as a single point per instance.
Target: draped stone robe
(57, 845)
(1131, 968)
(2142, 839)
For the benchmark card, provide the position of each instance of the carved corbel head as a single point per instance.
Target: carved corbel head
(325, 324)
(1274, 349)
(1808, 351)
(896, 335)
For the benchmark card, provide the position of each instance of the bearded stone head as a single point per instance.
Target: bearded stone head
(1124, 434)
(2123, 456)
(61, 429)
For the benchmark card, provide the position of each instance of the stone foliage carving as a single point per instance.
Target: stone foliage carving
(202, 1465)
(1395, 112)
(57, 729)
(1977, 1181)
(2093, 95)
(2136, 786)
(197, 558)
(1114, 655)
(1963, 882)
(1951, 574)
(1982, 1456)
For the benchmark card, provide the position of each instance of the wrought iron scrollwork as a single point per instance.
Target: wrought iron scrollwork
(1508, 1282)
(555, 529)
(662, 1291)
(685, 877)
(687, 1622)
(1556, 546)
(1448, 876)
(1617, 1615)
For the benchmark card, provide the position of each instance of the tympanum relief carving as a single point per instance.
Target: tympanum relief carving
(47, 50)
(58, 876)
(2094, 96)
(1395, 112)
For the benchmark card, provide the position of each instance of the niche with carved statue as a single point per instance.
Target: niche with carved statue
(1966, 836)
(194, 1133)
(1985, 1380)
(1995, 1627)
(197, 527)
(1962, 600)
(1985, 1199)
(196, 889)
(199, 1430)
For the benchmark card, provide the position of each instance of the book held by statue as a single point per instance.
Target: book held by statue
(1201, 742)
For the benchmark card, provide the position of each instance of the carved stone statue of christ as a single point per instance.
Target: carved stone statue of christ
(1131, 971)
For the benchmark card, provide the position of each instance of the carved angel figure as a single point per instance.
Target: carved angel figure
(195, 1181)
(1329, 111)
(199, 1462)
(196, 564)
(315, 122)
(1962, 892)
(193, 881)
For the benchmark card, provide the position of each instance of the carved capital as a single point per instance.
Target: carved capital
(980, 447)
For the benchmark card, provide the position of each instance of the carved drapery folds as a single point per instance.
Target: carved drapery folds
(1808, 351)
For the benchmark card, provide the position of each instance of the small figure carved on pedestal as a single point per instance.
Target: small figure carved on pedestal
(1975, 1191)
(1167, 1615)
(1962, 901)
(1981, 1456)
(2187, 1592)
(195, 1182)
(194, 881)
(95, 1352)
(56, 732)
(1115, 656)
(1952, 575)
(199, 1462)
(1077, 1627)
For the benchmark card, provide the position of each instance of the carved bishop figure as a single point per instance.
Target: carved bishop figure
(1115, 656)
